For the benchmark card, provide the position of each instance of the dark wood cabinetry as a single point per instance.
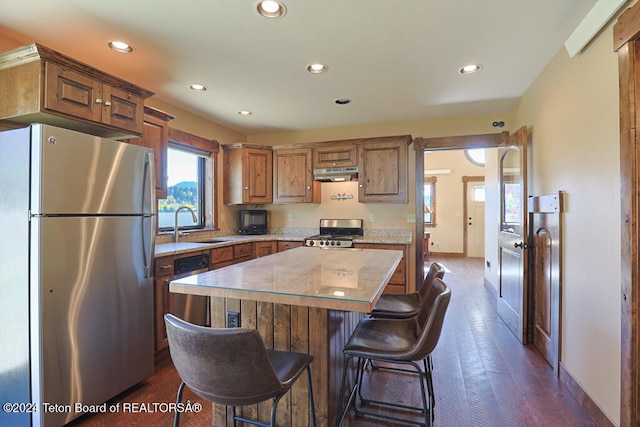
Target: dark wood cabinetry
(293, 177)
(41, 85)
(334, 155)
(162, 298)
(248, 174)
(382, 170)
(264, 248)
(155, 135)
(399, 281)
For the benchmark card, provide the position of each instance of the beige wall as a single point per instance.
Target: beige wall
(572, 113)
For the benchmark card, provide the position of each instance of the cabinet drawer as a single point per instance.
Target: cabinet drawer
(285, 245)
(394, 289)
(163, 266)
(242, 251)
(220, 255)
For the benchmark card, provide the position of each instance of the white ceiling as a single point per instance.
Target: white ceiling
(395, 59)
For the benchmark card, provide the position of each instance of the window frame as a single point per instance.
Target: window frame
(208, 148)
(430, 181)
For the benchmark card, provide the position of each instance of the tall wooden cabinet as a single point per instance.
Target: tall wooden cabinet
(382, 170)
(41, 85)
(293, 177)
(248, 174)
(155, 135)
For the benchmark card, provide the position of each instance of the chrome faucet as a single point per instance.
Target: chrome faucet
(175, 227)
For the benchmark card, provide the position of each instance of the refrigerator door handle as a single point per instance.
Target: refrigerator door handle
(148, 219)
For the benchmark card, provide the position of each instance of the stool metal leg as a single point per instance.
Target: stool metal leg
(176, 417)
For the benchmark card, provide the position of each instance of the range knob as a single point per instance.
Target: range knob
(333, 243)
(338, 243)
(310, 242)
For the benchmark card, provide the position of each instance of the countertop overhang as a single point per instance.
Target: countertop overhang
(336, 279)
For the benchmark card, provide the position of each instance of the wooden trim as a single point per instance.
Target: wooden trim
(460, 142)
(626, 38)
(583, 398)
(182, 137)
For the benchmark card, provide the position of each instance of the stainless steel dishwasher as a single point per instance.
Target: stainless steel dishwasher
(192, 308)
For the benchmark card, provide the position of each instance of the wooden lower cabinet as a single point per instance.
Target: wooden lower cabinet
(264, 248)
(399, 282)
(161, 299)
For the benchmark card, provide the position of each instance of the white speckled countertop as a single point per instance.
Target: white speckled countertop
(337, 279)
(188, 243)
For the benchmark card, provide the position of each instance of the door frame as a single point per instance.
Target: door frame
(626, 38)
(465, 209)
(420, 145)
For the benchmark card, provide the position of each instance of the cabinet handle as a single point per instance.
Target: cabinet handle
(98, 100)
(361, 185)
(165, 267)
(107, 103)
(308, 188)
(246, 188)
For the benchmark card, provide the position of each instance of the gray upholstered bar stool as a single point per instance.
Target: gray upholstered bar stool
(396, 341)
(232, 367)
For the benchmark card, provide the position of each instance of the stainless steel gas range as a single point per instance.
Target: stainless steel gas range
(336, 233)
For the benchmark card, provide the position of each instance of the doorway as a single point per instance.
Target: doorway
(473, 224)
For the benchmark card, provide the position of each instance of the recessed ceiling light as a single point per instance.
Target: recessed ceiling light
(121, 47)
(245, 113)
(271, 9)
(342, 101)
(470, 69)
(198, 87)
(317, 68)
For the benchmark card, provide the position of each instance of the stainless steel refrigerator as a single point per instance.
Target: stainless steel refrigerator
(77, 227)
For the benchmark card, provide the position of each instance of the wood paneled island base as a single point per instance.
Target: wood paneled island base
(288, 298)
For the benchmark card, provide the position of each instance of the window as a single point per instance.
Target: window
(476, 156)
(190, 182)
(185, 187)
(430, 201)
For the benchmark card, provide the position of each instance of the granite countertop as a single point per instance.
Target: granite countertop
(337, 279)
(172, 248)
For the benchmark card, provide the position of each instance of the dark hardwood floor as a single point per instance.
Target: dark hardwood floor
(482, 375)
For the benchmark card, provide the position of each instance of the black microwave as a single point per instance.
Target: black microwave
(253, 221)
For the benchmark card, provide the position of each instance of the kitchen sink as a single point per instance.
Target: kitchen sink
(215, 240)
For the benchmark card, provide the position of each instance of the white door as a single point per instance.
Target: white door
(475, 219)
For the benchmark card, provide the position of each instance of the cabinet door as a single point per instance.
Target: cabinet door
(398, 282)
(334, 156)
(264, 248)
(382, 174)
(72, 93)
(162, 299)
(293, 177)
(122, 109)
(155, 135)
(257, 176)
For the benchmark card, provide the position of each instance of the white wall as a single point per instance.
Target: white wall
(572, 114)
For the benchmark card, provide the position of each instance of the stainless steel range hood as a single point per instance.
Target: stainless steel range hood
(335, 174)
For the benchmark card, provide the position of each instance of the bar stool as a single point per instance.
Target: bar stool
(396, 341)
(401, 306)
(232, 367)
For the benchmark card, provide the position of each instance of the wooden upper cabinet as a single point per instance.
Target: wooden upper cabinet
(155, 135)
(42, 85)
(293, 177)
(332, 156)
(382, 170)
(248, 174)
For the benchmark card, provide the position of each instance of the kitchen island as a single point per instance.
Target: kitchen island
(304, 299)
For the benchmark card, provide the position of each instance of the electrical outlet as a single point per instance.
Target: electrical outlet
(290, 217)
(233, 319)
(411, 218)
(372, 217)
